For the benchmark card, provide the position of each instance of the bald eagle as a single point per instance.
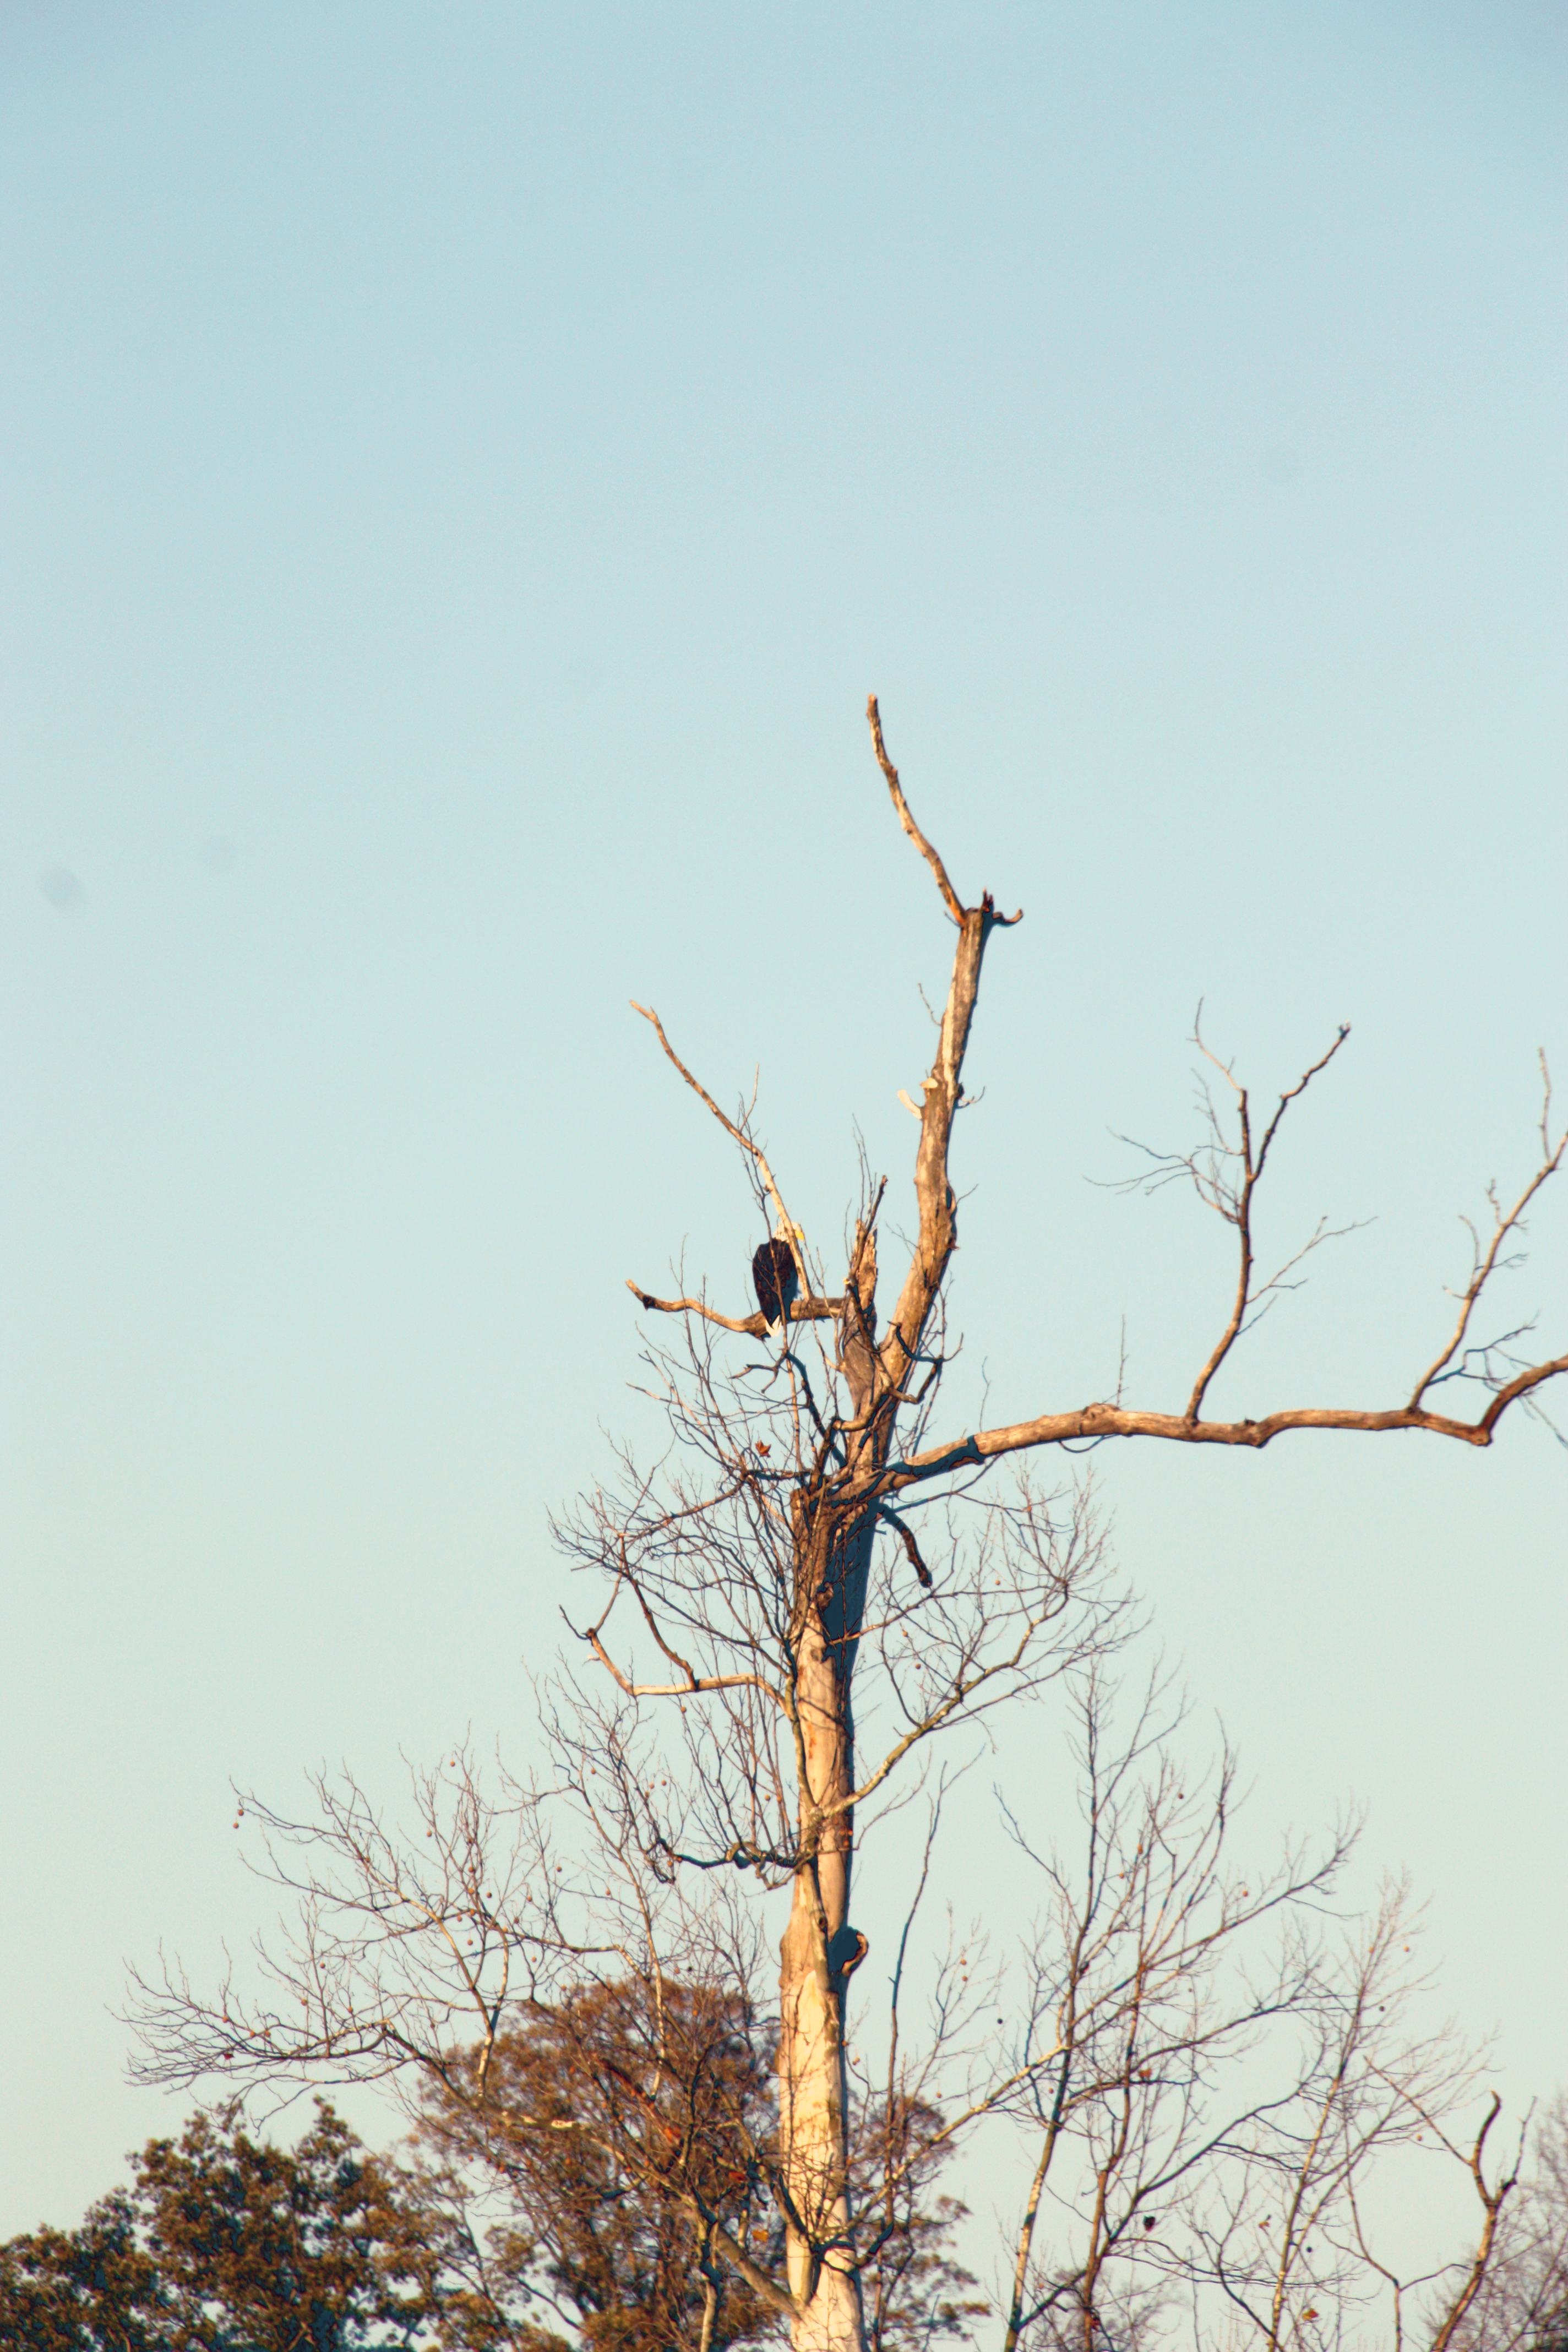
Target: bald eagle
(776, 1276)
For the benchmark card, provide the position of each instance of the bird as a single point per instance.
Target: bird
(775, 1277)
(846, 1952)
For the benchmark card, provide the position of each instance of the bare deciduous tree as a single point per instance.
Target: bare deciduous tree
(1519, 2303)
(813, 1582)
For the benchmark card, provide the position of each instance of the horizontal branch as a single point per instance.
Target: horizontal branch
(694, 1687)
(800, 1310)
(1098, 1421)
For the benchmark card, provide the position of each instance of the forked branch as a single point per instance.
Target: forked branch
(1234, 1204)
(1503, 1225)
(693, 1683)
(1492, 2202)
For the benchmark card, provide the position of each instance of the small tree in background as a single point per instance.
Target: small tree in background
(609, 2119)
(596, 2117)
(223, 2243)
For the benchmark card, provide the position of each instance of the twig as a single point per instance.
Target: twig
(1483, 1266)
(1240, 1211)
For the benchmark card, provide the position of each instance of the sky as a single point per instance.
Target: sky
(461, 472)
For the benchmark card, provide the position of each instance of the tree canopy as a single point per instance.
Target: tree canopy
(225, 2244)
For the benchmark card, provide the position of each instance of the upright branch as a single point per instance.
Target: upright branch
(1233, 1200)
(1493, 2196)
(747, 1142)
(950, 896)
(1484, 1263)
(942, 1089)
(1521, 2302)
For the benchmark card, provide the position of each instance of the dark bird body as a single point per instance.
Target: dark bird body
(846, 1952)
(775, 1277)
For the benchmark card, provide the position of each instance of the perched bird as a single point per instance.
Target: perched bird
(846, 1952)
(776, 1276)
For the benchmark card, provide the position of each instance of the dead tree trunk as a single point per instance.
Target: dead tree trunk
(820, 1948)
(834, 1533)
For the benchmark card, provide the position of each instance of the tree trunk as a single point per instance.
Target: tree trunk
(812, 2086)
(832, 1559)
(832, 1568)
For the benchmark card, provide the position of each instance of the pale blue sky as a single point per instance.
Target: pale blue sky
(463, 470)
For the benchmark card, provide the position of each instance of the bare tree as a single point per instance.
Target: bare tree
(1227, 2064)
(858, 1459)
(1519, 2303)
(813, 1582)
(1145, 1983)
(1278, 2226)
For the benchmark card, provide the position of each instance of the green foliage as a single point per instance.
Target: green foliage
(576, 2192)
(95, 2287)
(223, 2244)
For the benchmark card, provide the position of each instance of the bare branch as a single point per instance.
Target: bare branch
(738, 1134)
(1492, 2202)
(694, 1685)
(1504, 1223)
(1118, 1421)
(1239, 1210)
(905, 1535)
(949, 897)
(755, 1326)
